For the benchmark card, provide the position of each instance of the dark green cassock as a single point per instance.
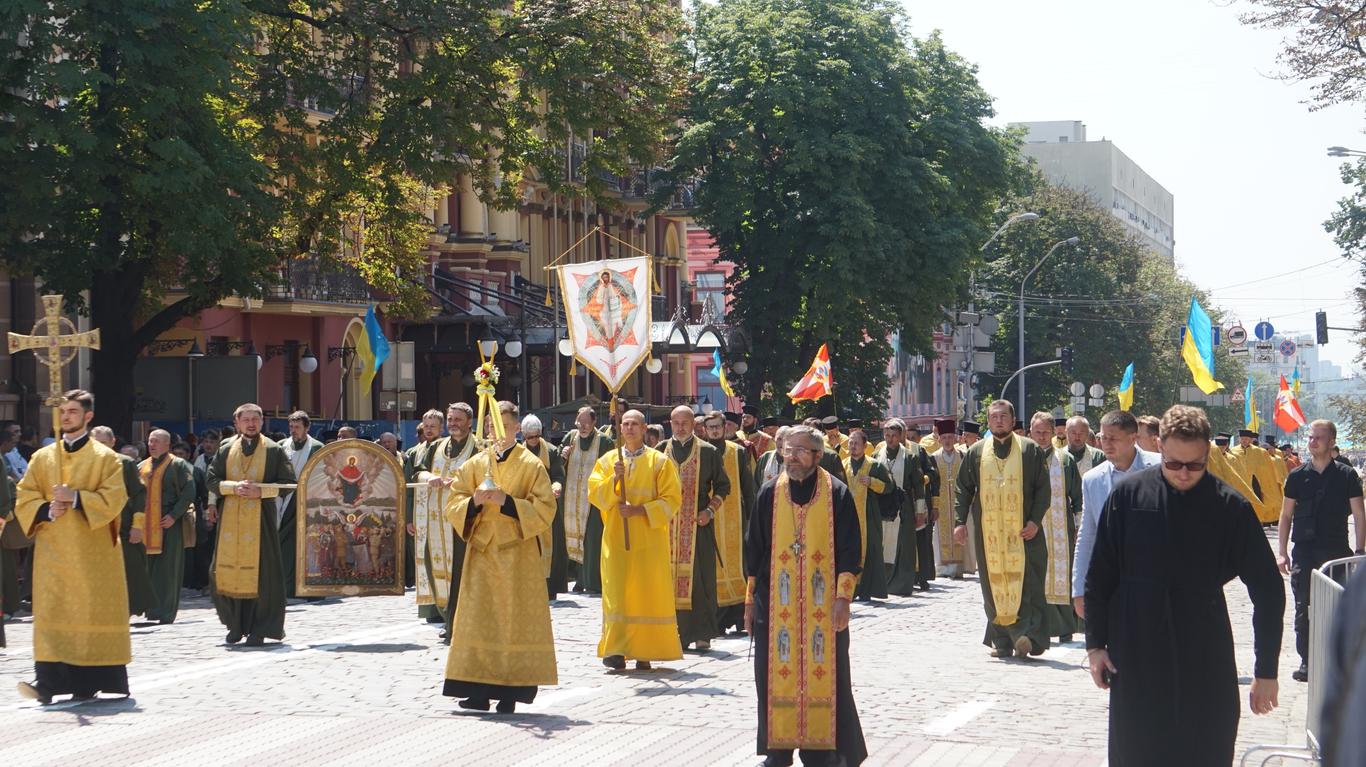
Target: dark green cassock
(589, 575)
(699, 623)
(733, 616)
(289, 518)
(873, 580)
(558, 581)
(416, 458)
(902, 580)
(1032, 621)
(264, 616)
(197, 552)
(141, 595)
(924, 539)
(167, 569)
(831, 462)
(1062, 620)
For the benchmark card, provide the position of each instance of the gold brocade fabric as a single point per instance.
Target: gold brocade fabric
(948, 461)
(80, 594)
(860, 493)
(578, 467)
(238, 558)
(1002, 496)
(1058, 581)
(152, 533)
(434, 540)
(730, 536)
(1255, 463)
(638, 618)
(683, 527)
(501, 633)
(801, 630)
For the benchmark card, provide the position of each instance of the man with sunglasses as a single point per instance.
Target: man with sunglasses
(1319, 496)
(1157, 625)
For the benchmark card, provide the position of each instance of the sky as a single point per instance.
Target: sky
(1190, 94)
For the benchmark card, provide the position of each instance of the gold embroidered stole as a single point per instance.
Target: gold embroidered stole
(950, 553)
(578, 468)
(152, 534)
(730, 535)
(860, 494)
(1001, 485)
(546, 540)
(801, 636)
(683, 527)
(1058, 582)
(435, 538)
(238, 559)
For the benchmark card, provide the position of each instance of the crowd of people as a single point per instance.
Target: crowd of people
(715, 525)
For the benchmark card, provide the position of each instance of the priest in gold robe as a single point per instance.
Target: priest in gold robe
(247, 580)
(1059, 529)
(731, 520)
(1228, 466)
(70, 502)
(502, 647)
(802, 558)
(869, 483)
(704, 486)
(638, 619)
(953, 559)
(1259, 472)
(1003, 487)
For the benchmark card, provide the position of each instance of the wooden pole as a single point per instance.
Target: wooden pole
(621, 457)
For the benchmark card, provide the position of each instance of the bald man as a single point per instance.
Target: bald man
(170, 486)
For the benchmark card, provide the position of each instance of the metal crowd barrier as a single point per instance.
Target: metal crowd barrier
(1326, 585)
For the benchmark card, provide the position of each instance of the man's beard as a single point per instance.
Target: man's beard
(73, 429)
(1001, 435)
(799, 473)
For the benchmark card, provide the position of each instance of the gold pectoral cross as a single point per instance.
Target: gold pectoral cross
(54, 342)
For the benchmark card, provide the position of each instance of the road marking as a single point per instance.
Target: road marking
(958, 717)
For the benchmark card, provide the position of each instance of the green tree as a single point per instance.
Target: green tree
(847, 172)
(1109, 299)
(150, 146)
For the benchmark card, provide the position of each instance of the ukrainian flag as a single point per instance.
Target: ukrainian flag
(1295, 381)
(1250, 419)
(371, 350)
(1126, 389)
(719, 371)
(1198, 348)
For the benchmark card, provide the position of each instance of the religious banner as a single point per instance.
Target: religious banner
(607, 304)
(350, 522)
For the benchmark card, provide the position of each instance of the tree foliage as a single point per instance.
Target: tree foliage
(1108, 298)
(1323, 46)
(150, 145)
(847, 172)
(1348, 227)
(1349, 415)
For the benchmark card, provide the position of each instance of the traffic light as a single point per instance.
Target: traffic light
(1321, 327)
(1065, 354)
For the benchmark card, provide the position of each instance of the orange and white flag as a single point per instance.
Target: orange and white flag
(817, 382)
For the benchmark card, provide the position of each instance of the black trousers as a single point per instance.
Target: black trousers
(1300, 580)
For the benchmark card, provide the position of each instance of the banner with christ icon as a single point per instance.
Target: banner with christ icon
(607, 304)
(351, 522)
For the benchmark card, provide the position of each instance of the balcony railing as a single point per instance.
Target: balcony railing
(310, 279)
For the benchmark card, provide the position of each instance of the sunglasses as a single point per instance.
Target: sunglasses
(1179, 465)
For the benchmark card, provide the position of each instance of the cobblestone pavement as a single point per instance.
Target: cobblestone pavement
(357, 682)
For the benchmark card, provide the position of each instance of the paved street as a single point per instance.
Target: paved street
(358, 683)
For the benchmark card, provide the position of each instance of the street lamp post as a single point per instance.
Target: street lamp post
(969, 391)
(1020, 392)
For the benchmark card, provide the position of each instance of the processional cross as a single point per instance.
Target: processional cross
(55, 343)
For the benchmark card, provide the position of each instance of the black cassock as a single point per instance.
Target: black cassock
(849, 741)
(1155, 600)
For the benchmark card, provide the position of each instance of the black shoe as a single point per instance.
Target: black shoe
(233, 637)
(444, 635)
(615, 662)
(255, 640)
(31, 691)
(476, 704)
(435, 619)
(923, 585)
(507, 706)
(165, 621)
(1301, 674)
(1003, 652)
(1064, 639)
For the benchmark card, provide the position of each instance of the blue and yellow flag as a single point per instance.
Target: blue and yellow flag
(1250, 419)
(1198, 348)
(1295, 381)
(719, 371)
(1126, 389)
(371, 350)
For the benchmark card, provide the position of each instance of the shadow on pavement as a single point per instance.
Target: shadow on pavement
(543, 726)
(378, 648)
(659, 692)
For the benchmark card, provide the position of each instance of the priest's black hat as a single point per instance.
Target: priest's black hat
(970, 427)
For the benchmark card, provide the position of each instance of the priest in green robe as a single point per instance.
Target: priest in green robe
(69, 502)
(1084, 455)
(247, 579)
(1059, 530)
(140, 594)
(900, 545)
(581, 450)
(704, 483)
(1004, 487)
(869, 483)
(169, 491)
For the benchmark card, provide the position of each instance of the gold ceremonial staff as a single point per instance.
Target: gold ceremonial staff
(55, 343)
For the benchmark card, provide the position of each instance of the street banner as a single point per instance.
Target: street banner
(607, 306)
(350, 533)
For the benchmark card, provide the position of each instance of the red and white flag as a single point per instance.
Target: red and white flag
(1289, 416)
(817, 382)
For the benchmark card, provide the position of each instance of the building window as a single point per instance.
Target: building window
(710, 292)
(708, 389)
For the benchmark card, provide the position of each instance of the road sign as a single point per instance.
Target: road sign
(1264, 358)
(1234, 351)
(1097, 391)
(1264, 331)
(1237, 336)
(1237, 395)
(1287, 348)
(1078, 389)
(1263, 346)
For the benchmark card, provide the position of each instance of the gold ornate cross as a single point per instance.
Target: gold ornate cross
(54, 342)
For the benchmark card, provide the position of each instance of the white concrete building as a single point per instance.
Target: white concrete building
(1100, 169)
